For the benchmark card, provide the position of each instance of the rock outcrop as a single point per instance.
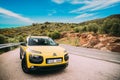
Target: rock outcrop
(93, 40)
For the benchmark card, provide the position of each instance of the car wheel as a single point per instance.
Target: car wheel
(65, 66)
(24, 66)
(20, 53)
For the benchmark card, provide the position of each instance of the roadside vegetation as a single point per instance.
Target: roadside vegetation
(109, 25)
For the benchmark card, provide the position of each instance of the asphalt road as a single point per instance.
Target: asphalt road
(81, 67)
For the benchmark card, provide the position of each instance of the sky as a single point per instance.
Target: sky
(14, 13)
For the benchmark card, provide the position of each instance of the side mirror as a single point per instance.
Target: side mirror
(23, 44)
(57, 44)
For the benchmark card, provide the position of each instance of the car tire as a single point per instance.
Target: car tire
(65, 67)
(24, 66)
(20, 53)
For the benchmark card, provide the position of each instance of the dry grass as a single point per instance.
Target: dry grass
(69, 40)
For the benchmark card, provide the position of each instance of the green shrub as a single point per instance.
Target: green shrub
(54, 35)
(3, 39)
(21, 39)
(76, 29)
(82, 29)
(115, 29)
(111, 26)
(92, 27)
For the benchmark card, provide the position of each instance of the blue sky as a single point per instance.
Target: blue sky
(25, 12)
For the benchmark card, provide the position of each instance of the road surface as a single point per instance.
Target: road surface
(81, 67)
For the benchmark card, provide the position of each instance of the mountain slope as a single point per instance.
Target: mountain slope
(109, 25)
(103, 34)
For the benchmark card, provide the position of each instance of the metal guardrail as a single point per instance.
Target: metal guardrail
(9, 45)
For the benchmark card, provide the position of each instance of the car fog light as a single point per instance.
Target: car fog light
(32, 66)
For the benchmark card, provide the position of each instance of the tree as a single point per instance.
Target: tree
(111, 26)
(83, 29)
(54, 35)
(21, 39)
(115, 29)
(76, 29)
(3, 39)
(106, 26)
(34, 24)
(92, 27)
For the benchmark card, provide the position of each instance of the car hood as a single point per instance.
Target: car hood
(47, 49)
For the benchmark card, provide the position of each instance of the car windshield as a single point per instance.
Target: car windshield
(41, 41)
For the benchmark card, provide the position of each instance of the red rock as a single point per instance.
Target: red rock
(84, 35)
(114, 47)
(104, 49)
(99, 46)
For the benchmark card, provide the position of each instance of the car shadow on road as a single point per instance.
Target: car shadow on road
(46, 73)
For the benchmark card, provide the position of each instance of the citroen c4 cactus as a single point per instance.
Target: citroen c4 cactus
(41, 52)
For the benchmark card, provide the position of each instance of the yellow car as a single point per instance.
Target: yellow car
(41, 52)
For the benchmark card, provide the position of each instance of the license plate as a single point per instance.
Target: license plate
(50, 61)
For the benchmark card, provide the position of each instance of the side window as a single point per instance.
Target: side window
(33, 41)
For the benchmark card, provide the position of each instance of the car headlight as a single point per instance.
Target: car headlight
(33, 51)
(35, 58)
(66, 57)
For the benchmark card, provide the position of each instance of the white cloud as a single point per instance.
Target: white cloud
(85, 15)
(59, 1)
(72, 1)
(95, 5)
(79, 1)
(52, 12)
(107, 4)
(15, 15)
(90, 6)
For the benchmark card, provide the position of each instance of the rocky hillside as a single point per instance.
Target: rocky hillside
(91, 40)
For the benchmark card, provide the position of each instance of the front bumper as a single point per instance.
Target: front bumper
(35, 62)
(50, 68)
